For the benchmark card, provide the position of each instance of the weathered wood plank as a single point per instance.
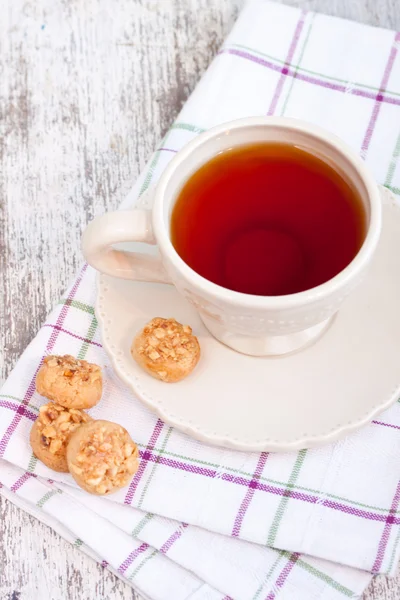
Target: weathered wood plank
(37, 564)
(87, 88)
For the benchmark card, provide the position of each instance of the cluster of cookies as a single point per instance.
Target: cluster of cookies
(100, 455)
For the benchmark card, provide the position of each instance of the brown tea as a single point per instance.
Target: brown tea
(267, 219)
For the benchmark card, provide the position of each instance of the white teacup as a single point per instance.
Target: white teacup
(255, 325)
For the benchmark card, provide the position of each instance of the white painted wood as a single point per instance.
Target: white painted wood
(87, 88)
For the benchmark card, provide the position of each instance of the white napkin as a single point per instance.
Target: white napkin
(203, 522)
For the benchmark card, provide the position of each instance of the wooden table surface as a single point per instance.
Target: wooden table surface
(87, 88)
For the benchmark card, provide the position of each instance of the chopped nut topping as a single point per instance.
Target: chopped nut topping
(56, 425)
(166, 349)
(55, 445)
(107, 458)
(71, 367)
(70, 382)
(166, 338)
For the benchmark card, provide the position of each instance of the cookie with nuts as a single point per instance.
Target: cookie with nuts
(166, 349)
(51, 433)
(71, 382)
(102, 457)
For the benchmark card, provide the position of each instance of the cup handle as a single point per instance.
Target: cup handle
(123, 226)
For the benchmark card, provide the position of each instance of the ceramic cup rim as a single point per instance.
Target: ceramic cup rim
(250, 301)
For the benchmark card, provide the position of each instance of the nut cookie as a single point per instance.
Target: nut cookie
(51, 433)
(102, 457)
(71, 382)
(166, 349)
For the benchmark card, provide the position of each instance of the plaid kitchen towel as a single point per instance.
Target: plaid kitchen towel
(204, 522)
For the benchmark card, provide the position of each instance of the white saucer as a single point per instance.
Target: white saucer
(275, 404)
